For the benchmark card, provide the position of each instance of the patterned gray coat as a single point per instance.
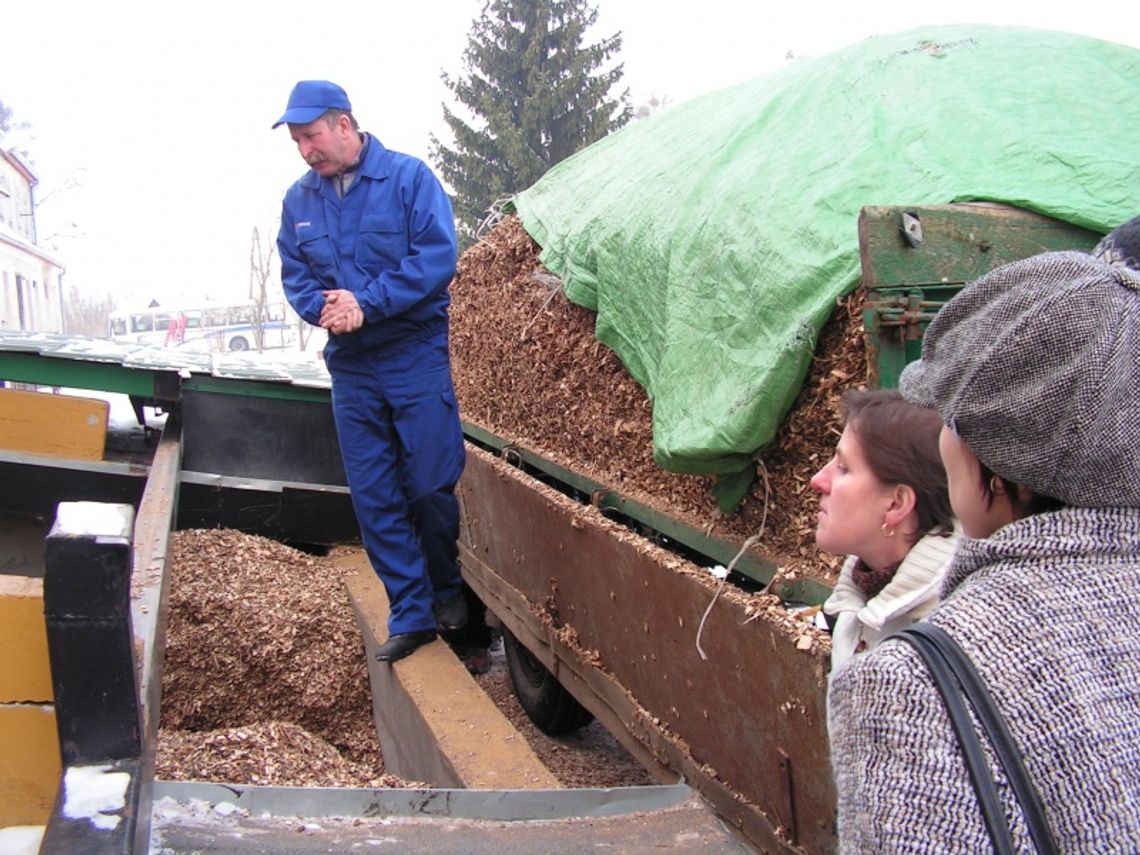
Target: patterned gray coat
(1048, 610)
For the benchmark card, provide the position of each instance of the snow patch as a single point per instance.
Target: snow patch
(95, 793)
(21, 839)
(93, 519)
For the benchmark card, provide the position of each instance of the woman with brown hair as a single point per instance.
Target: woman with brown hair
(883, 504)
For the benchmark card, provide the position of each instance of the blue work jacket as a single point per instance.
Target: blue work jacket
(390, 240)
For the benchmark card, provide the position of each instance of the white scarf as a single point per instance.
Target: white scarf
(910, 595)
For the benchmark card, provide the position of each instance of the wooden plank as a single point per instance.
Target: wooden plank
(63, 426)
(29, 764)
(150, 585)
(959, 242)
(752, 564)
(434, 722)
(26, 675)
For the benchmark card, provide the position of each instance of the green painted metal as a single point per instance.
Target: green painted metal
(915, 259)
(896, 322)
(246, 387)
(34, 368)
(523, 457)
(145, 383)
(153, 374)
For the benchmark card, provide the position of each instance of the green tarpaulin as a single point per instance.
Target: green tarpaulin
(713, 238)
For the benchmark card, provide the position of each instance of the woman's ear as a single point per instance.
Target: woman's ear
(902, 505)
(997, 485)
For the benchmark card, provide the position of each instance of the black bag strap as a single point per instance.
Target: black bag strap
(988, 799)
(946, 660)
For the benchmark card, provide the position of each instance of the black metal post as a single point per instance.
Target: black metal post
(87, 593)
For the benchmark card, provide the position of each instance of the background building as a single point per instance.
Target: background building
(31, 280)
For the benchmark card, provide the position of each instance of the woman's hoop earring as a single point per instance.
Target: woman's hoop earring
(883, 529)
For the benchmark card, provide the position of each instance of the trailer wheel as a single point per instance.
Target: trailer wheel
(553, 710)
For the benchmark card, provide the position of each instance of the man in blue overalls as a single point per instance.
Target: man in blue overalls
(368, 249)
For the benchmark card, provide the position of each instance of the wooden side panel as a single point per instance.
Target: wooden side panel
(53, 425)
(29, 764)
(953, 244)
(915, 259)
(29, 743)
(26, 674)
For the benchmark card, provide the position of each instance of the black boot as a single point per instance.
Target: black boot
(452, 614)
(403, 644)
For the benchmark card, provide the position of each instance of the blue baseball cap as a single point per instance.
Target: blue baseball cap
(311, 99)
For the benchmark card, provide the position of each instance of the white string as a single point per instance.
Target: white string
(554, 292)
(744, 548)
(495, 215)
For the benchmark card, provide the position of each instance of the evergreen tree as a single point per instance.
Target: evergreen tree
(538, 94)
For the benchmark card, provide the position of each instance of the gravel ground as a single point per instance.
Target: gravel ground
(589, 757)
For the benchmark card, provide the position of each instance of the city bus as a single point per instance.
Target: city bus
(216, 327)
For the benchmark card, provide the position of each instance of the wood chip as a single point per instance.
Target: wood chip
(265, 680)
(262, 653)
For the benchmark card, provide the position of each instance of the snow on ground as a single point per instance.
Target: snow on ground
(21, 839)
(121, 415)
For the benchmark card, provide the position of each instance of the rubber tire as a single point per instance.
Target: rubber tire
(553, 710)
(238, 344)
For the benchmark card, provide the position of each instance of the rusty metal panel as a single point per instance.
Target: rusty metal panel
(751, 718)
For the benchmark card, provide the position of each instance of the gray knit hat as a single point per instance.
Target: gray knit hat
(1036, 366)
(1121, 246)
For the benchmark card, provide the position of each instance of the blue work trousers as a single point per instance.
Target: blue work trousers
(397, 421)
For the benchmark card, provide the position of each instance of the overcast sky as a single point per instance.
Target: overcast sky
(150, 121)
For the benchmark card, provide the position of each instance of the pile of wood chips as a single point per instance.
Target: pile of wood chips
(264, 680)
(528, 368)
(275, 753)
